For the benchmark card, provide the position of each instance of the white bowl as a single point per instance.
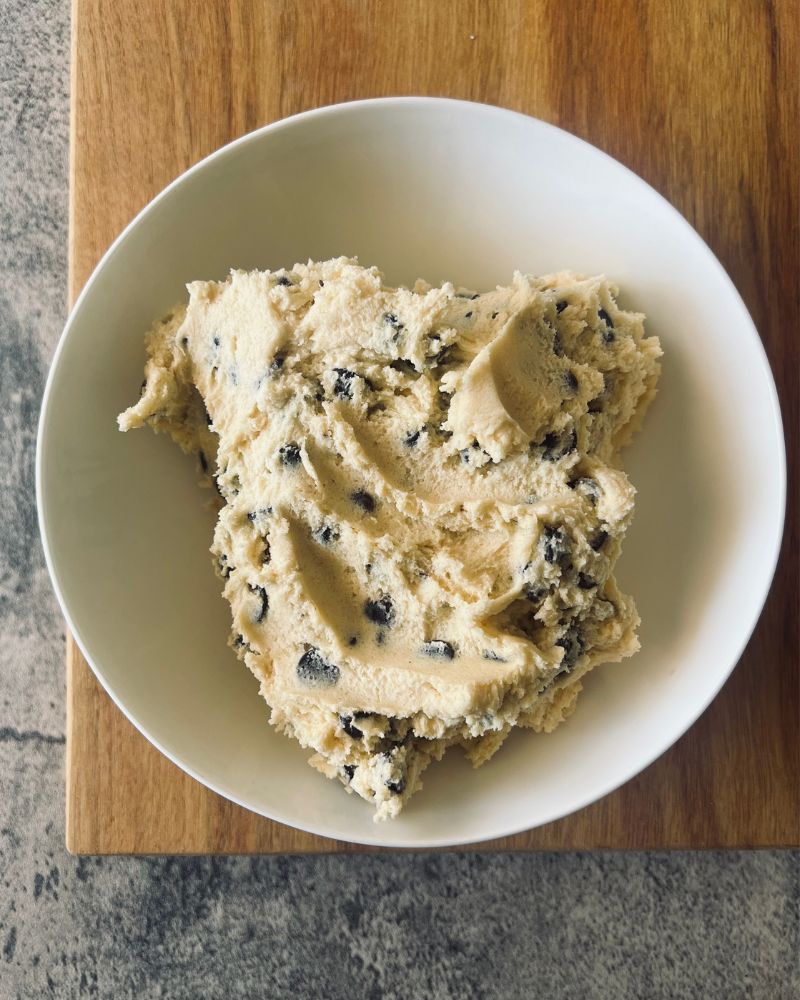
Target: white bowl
(442, 190)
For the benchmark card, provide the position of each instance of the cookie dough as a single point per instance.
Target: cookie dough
(420, 499)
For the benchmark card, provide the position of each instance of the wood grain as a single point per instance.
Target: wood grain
(699, 98)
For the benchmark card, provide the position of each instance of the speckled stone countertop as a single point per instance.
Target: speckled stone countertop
(461, 926)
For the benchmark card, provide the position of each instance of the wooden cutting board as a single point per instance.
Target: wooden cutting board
(698, 98)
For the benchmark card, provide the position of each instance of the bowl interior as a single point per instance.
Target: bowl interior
(440, 190)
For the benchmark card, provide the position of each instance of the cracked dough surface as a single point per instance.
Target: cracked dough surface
(420, 499)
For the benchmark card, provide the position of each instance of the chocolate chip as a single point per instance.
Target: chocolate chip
(411, 439)
(561, 306)
(240, 643)
(353, 640)
(346, 722)
(203, 460)
(343, 387)
(231, 488)
(572, 644)
(555, 545)
(603, 315)
(586, 582)
(264, 607)
(349, 770)
(283, 280)
(380, 612)
(313, 669)
(224, 568)
(326, 534)
(468, 295)
(364, 500)
(185, 341)
(256, 515)
(595, 405)
(438, 649)
(398, 787)
(599, 540)
(289, 454)
(216, 341)
(468, 315)
(535, 593)
(608, 333)
(570, 380)
(321, 283)
(489, 654)
(495, 315)
(556, 445)
(391, 320)
(589, 488)
(277, 363)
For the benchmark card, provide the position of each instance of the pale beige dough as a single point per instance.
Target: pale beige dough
(420, 499)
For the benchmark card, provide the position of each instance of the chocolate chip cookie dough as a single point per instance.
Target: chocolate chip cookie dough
(420, 500)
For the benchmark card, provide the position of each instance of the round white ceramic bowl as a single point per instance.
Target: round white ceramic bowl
(442, 190)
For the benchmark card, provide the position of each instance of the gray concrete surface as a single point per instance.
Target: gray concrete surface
(460, 926)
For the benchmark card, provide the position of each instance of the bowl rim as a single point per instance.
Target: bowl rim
(422, 103)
